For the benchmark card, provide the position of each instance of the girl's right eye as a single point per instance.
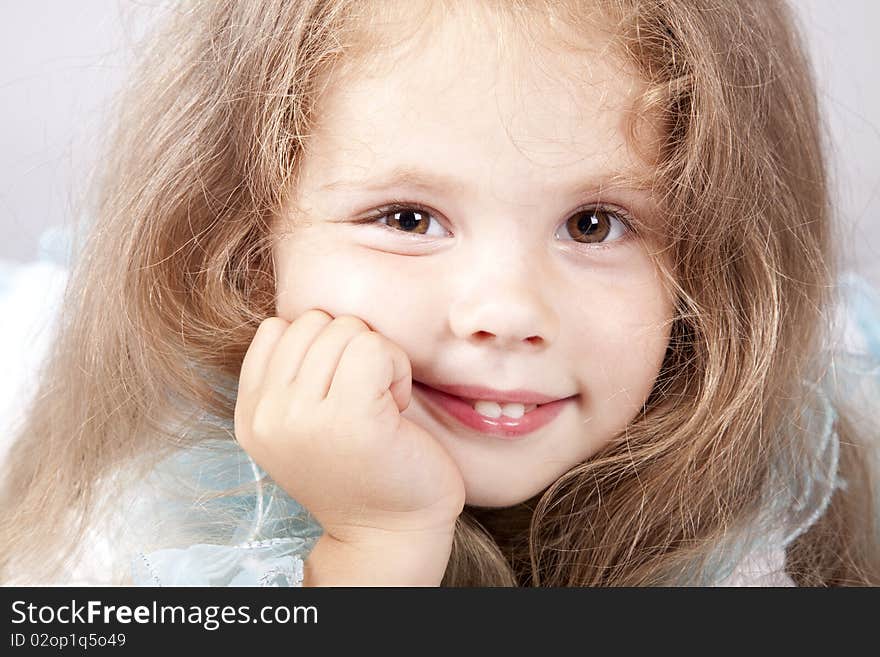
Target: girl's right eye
(408, 219)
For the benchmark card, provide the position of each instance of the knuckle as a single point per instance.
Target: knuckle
(315, 315)
(367, 343)
(271, 324)
(351, 322)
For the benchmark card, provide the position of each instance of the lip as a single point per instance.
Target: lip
(479, 392)
(502, 427)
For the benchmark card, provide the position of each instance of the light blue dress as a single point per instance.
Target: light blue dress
(255, 537)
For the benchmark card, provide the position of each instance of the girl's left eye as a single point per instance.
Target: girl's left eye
(590, 226)
(595, 225)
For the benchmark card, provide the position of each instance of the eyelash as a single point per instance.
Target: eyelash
(401, 206)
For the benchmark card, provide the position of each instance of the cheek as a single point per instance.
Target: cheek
(623, 338)
(347, 280)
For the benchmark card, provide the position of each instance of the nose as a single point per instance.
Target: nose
(506, 307)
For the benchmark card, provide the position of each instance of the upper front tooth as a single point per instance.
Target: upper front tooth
(494, 409)
(513, 410)
(488, 408)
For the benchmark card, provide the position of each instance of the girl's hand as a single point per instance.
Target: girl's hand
(319, 409)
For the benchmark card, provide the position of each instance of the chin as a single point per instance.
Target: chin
(479, 496)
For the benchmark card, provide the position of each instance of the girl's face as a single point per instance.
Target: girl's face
(508, 264)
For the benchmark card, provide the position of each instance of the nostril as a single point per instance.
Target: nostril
(485, 335)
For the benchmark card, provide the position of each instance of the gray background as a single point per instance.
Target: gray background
(61, 61)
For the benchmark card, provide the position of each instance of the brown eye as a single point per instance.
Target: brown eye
(594, 225)
(410, 220)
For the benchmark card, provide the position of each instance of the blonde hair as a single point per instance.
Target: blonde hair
(176, 274)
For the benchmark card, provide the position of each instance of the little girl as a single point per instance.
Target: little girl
(457, 293)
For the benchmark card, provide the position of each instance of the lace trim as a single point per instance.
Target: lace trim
(820, 484)
(271, 562)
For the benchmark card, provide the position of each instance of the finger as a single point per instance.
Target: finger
(319, 365)
(371, 366)
(293, 346)
(259, 352)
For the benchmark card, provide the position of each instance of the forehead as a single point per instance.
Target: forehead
(469, 89)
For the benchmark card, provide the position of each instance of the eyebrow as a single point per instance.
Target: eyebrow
(401, 177)
(430, 181)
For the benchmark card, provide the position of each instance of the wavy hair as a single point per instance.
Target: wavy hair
(175, 274)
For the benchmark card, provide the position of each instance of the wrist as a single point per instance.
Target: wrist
(379, 558)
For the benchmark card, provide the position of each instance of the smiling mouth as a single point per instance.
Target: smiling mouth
(506, 419)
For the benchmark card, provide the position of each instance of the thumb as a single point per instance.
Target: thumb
(401, 380)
